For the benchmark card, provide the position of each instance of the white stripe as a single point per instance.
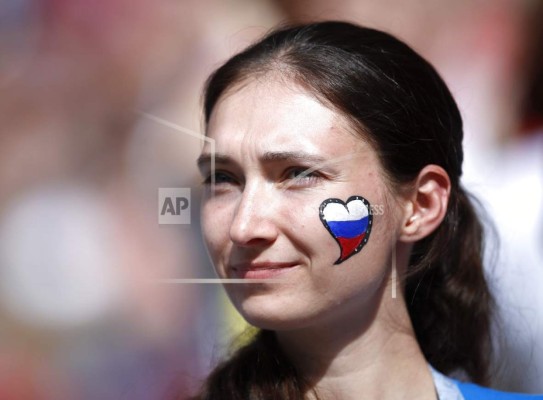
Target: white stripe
(355, 210)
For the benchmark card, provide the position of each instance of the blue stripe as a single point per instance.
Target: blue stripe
(348, 229)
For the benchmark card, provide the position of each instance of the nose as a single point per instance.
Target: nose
(253, 222)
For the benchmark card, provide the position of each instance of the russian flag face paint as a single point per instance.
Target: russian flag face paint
(348, 222)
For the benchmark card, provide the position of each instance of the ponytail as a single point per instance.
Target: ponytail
(257, 371)
(447, 296)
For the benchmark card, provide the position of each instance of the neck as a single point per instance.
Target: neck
(373, 358)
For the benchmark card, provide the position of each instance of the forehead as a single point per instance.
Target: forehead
(278, 115)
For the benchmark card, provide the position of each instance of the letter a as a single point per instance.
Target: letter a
(168, 207)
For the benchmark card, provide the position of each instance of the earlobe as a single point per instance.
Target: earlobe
(427, 205)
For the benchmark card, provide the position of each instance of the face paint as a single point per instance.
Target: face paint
(348, 222)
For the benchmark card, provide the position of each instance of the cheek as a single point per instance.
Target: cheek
(215, 227)
(305, 231)
(356, 280)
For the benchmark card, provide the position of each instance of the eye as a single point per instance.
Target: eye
(297, 173)
(301, 176)
(220, 178)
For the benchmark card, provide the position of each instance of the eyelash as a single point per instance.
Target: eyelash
(305, 180)
(218, 176)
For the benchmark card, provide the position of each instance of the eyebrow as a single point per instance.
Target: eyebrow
(267, 157)
(292, 156)
(207, 158)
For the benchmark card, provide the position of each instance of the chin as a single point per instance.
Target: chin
(267, 312)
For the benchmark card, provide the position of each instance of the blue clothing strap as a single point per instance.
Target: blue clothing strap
(452, 389)
(471, 391)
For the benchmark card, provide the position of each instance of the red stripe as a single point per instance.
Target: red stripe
(348, 246)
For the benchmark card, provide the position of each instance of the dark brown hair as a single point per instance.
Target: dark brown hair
(398, 101)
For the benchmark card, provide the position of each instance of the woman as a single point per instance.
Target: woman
(333, 193)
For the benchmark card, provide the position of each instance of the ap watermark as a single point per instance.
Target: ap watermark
(174, 206)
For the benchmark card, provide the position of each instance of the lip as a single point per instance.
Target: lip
(261, 270)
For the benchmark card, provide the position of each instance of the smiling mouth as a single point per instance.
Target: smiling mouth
(260, 270)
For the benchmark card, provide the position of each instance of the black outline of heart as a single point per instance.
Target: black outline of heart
(344, 203)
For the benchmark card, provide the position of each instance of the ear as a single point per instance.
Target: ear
(427, 204)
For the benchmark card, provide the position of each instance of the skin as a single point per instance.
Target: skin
(339, 324)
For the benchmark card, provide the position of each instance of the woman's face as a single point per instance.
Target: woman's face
(262, 219)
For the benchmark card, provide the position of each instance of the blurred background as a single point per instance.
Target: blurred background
(82, 312)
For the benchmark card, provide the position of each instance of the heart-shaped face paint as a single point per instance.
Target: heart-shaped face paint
(348, 222)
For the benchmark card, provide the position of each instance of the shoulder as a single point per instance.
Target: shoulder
(471, 391)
